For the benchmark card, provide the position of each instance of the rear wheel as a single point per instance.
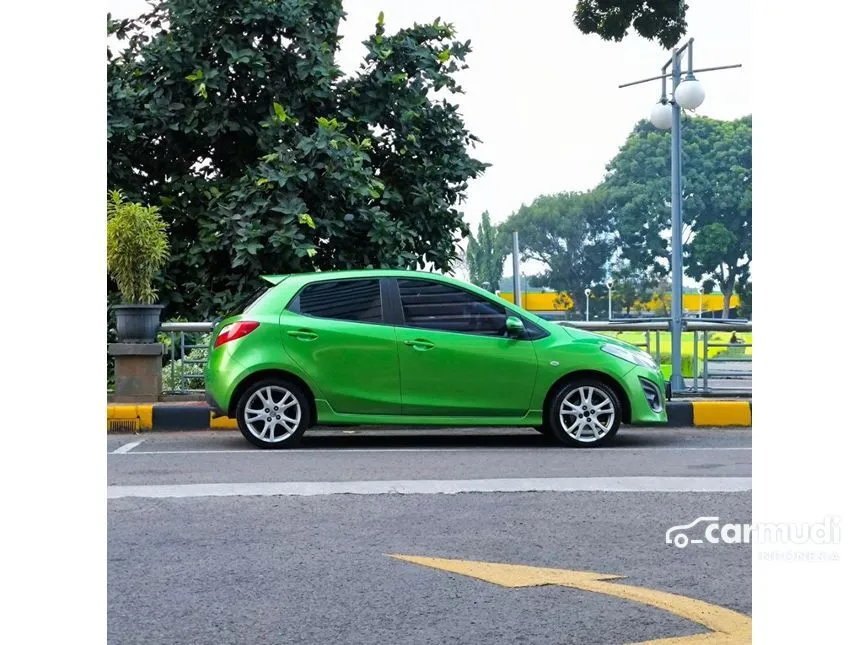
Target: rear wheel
(273, 414)
(585, 413)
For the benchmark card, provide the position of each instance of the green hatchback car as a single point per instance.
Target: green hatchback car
(388, 347)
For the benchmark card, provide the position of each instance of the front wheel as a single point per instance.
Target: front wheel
(585, 413)
(273, 414)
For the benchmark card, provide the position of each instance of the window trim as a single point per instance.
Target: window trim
(294, 305)
(399, 308)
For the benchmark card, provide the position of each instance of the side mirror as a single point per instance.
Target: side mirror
(515, 327)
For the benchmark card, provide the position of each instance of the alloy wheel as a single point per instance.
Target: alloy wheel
(272, 414)
(587, 413)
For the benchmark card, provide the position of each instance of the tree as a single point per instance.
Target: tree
(744, 290)
(663, 20)
(233, 117)
(717, 199)
(571, 234)
(485, 254)
(634, 286)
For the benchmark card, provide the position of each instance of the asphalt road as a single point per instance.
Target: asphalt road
(314, 565)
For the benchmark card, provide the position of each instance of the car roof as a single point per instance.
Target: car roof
(365, 273)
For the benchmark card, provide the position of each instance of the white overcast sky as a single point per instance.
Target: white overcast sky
(543, 97)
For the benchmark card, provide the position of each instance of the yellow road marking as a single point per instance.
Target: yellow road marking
(727, 627)
(722, 413)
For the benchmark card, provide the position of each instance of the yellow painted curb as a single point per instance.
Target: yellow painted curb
(722, 413)
(222, 423)
(124, 415)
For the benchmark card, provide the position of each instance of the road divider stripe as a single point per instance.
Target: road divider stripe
(441, 486)
(126, 448)
(185, 416)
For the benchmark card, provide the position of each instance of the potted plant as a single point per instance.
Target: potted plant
(137, 248)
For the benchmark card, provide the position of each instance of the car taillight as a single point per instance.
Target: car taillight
(235, 330)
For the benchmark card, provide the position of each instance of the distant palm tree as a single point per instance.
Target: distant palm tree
(485, 254)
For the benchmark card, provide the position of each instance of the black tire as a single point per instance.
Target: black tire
(589, 429)
(296, 399)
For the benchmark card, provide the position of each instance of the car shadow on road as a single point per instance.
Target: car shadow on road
(473, 438)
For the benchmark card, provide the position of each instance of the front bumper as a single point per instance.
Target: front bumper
(640, 409)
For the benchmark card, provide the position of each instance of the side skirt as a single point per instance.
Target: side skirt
(327, 416)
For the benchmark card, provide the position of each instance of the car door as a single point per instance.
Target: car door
(455, 356)
(334, 330)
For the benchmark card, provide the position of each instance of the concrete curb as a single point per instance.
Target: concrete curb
(197, 416)
(709, 412)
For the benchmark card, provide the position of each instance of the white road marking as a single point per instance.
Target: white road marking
(337, 450)
(125, 448)
(441, 486)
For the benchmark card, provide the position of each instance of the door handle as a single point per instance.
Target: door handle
(303, 334)
(420, 345)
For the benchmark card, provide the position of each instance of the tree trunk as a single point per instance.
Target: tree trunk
(727, 287)
(727, 302)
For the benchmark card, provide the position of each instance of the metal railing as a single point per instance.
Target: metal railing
(185, 374)
(707, 376)
(186, 366)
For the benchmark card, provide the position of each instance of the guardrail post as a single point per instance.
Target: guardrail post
(705, 363)
(172, 359)
(182, 361)
(183, 381)
(695, 361)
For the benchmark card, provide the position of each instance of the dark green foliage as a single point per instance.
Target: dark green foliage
(661, 20)
(232, 116)
(744, 291)
(572, 234)
(486, 253)
(717, 198)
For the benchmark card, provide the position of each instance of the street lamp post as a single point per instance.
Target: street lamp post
(689, 94)
(700, 302)
(609, 284)
(587, 296)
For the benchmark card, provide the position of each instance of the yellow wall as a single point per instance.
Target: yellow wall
(561, 301)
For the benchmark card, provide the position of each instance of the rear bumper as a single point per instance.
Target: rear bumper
(217, 410)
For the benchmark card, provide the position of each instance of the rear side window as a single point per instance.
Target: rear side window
(357, 300)
(433, 305)
(246, 304)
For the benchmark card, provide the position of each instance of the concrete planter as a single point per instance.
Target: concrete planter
(137, 323)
